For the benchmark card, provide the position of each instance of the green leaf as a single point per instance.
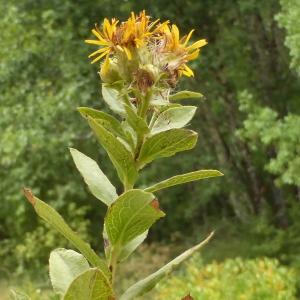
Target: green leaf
(112, 97)
(130, 134)
(121, 158)
(132, 245)
(148, 283)
(185, 95)
(183, 178)
(64, 266)
(109, 122)
(136, 122)
(126, 250)
(53, 218)
(96, 180)
(90, 285)
(175, 117)
(130, 216)
(165, 144)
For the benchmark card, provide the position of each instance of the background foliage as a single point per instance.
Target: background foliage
(253, 279)
(248, 125)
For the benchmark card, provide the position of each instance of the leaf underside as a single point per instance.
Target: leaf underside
(64, 266)
(174, 117)
(98, 183)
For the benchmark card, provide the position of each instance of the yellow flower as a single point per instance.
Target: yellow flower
(124, 37)
(177, 47)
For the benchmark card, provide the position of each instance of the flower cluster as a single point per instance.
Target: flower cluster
(143, 52)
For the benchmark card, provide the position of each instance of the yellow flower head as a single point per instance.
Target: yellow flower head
(171, 44)
(124, 37)
(141, 42)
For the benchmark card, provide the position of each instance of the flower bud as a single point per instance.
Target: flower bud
(109, 71)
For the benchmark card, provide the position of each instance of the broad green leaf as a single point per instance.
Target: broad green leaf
(159, 99)
(175, 117)
(96, 180)
(112, 97)
(120, 156)
(106, 120)
(130, 134)
(148, 283)
(183, 178)
(185, 95)
(132, 245)
(136, 122)
(90, 285)
(130, 216)
(167, 143)
(53, 218)
(64, 266)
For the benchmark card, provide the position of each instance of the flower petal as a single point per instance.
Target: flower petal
(187, 71)
(128, 53)
(99, 51)
(100, 56)
(95, 42)
(99, 36)
(193, 55)
(197, 44)
(188, 37)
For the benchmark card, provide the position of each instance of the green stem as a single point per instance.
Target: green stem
(145, 104)
(128, 186)
(113, 266)
(142, 112)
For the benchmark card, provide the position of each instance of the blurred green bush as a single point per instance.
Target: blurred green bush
(233, 279)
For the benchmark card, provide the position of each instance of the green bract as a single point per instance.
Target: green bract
(147, 126)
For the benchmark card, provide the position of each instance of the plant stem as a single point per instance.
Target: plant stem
(127, 186)
(145, 104)
(113, 266)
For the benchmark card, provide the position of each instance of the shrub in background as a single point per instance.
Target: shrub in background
(233, 279)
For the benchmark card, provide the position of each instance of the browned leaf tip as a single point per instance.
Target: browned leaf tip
(188, 297)
(155, 204)
(29, 195)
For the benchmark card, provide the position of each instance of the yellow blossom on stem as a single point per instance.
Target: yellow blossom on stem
(124, 37)
(140, 42)
(178, 47)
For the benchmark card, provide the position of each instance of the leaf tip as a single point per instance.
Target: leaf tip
(220, 173)
(81, 110)
(208, 238)
(155, 204)
(29, 196)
